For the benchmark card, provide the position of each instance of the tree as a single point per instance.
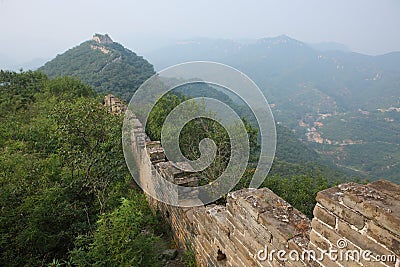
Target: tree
(124, 237)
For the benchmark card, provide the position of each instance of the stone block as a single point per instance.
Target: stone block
(324, 215)
(236, 221)
(319, 241)
(298, 244)
(383, 236)
(243, 244)
(331, 199)
(387, 188)
(319, 260)
(245, 258)
(324, 230)
(361, 240)
(373, 204)
(218, 216)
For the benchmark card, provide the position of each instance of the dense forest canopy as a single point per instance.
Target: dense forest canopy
(297, 173)
(65, 188)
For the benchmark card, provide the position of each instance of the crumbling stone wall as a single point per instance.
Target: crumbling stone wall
(114, 104)
(102, 39)
(258, 228)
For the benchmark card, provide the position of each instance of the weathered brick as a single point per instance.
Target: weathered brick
(312, 262)
(325, 231)
(320, 260)
(256, 231)
(319, 241)
(375, 205)
(390, 240)
(298, 243)
(198, 214)
(253, 205)
(331, 198)
(203, 249)
(243, 244)
(204, 232)
(263, 263)
(218, 215)
(229, 225)
(241, 261)
(327, 262)
(222, 241)
(324, 215)
(276, 263)
(387, 188)
(246, 258)
(234, 222)
(281, 231)
(236, 211)
(361, 240)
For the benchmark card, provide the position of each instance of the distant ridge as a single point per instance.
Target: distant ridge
(330, 46)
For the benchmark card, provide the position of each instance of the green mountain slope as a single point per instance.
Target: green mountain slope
(105, 65)
(292, 157)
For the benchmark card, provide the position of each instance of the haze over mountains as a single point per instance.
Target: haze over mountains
(9, 63)
(283, 63)
(344, 104)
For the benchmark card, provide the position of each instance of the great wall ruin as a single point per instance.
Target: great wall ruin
(258, 228)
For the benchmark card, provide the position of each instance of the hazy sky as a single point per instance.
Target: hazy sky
(42, 28)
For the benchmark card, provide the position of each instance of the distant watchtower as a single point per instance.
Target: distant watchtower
(114, 104)
(102, 39)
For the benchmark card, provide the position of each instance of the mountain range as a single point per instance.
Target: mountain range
(283, 66)
(344, 105)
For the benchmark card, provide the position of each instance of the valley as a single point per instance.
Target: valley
(342, 104)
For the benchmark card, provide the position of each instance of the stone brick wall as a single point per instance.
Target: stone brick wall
(258, 228)
(358, 218)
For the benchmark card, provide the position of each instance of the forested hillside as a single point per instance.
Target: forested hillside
(105, 65)
(297, 173)
(289, 148)
(66, 194)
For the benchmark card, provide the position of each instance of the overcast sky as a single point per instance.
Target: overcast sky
(42, 28)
